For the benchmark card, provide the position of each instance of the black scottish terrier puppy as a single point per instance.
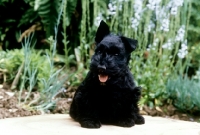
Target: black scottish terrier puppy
(108, 94)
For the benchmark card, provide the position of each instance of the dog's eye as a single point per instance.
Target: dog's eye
(116, 54)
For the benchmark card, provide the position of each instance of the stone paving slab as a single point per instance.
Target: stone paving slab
(62, 124)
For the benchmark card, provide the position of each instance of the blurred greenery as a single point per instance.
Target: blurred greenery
(194, 34)
(185, 92)
(167, 32)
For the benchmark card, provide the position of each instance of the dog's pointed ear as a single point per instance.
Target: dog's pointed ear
(102, 31)
(130, 44)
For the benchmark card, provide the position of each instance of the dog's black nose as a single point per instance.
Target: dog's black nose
(101, 67)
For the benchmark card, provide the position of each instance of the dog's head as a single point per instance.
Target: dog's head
(112, 53)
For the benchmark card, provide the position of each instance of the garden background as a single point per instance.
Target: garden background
(46, 45)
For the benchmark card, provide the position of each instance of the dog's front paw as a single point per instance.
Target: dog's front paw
(129, 122)
(139, 120)
(90, 124)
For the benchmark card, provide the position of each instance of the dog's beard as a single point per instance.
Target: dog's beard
(112, 70)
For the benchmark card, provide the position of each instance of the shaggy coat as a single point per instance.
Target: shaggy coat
(108, 94)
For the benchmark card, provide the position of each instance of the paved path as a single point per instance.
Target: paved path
(61, 124)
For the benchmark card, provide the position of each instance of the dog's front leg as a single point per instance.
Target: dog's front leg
(89, 117)
(85, 109)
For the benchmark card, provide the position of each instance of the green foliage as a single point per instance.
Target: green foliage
(69, 7)
(184, 93)
(48, 11)
(68, 10)
(14, 22)
(28, 17)
(194, 27)
(194, 33)
(164, 29)
(12, 60)
(195, 62)
(162, 41)
(31, 71)
(52, 84)
(30, 12)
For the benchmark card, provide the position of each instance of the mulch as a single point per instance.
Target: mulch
(10, 107)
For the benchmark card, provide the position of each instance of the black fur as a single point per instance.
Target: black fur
(116, 100)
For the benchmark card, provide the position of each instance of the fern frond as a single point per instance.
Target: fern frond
(28, 17)
(70, 9)
(48, 10)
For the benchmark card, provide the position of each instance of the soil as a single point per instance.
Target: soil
(10, 107)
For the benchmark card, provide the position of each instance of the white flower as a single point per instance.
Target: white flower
(173, 6)
(167, 45)
(174, 10)
(184, 45)
(180, 33)
(123, 0)
(197, 76)
(149, 47)
(165, 25)
(151, 26)
(134, 23)
(153, 47)
(198, 73)
(181, 54)
(183, 51)
(137, 15)
(98, 19)
(177, 3)
(153, 4)
(112, 6)
(138, 6)
(155, 41)
(161, 13)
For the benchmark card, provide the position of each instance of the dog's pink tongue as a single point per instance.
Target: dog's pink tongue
(103, 78)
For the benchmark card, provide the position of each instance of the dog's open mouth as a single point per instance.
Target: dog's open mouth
(103, 78)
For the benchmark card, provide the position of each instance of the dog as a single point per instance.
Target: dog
(108, 93)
